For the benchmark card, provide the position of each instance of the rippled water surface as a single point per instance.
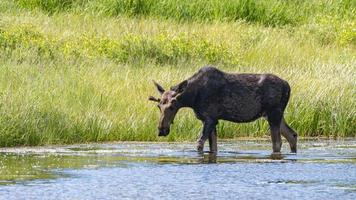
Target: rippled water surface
(244, 169)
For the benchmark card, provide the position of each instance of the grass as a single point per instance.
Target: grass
(88, 80)
(269, 13)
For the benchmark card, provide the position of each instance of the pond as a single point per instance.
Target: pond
(243, 169)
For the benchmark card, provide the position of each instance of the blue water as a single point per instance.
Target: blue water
(242, 170)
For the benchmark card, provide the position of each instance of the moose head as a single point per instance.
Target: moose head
(168, 105)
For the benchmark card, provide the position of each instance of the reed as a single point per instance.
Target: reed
(88, 80)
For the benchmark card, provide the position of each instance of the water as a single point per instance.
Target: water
(322, 169)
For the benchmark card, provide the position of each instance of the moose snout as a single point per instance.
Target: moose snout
(163, 131)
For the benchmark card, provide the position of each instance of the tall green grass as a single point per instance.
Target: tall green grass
(88, 80)
(130, 47)
(269, 13)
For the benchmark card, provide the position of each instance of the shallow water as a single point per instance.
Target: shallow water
(242, 169)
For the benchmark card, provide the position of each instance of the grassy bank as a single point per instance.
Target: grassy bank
(88, 80)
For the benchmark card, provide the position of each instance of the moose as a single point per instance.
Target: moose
(216, 95)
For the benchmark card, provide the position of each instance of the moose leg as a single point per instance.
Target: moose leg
(290, 135)
(213, 141)
(276, 139)
(274, 118)
(208, 127)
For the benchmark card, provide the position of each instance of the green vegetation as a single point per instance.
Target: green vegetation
(270, 13)
(77, 70)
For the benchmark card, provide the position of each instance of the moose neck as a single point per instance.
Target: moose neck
(187, 99)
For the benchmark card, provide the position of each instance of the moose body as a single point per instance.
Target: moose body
(215, 95)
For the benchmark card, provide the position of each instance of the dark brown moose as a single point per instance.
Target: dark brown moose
(215, 95)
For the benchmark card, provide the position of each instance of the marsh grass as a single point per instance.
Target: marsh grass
(129, 48)
(269, 13)
(61, 85)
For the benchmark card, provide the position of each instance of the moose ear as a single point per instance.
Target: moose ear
(181, 87)
(159, 87)
(151, 98)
